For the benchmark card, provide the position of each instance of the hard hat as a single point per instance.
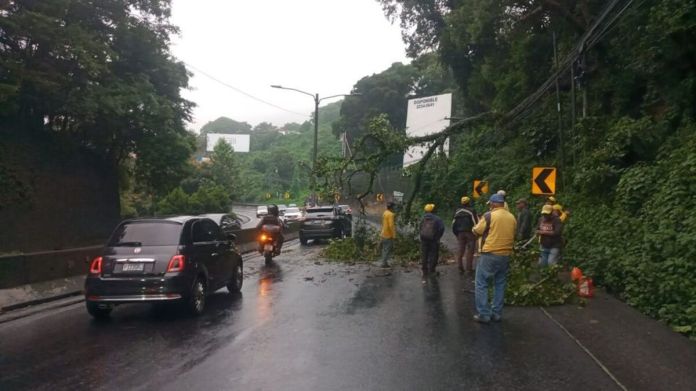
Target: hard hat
(546, 210)
(552, 199)
(557, 207)
(502, 193)
(429, 207)
(465, 200)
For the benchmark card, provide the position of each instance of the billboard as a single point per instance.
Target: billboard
(426, 116)
(239, 142)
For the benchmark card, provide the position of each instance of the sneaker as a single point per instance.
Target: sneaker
(481, 319)
(496, 318)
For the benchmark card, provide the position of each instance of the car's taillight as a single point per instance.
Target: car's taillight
(96, 266)
(176, 264)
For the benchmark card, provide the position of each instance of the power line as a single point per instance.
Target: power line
(611, 25)
(240, 91)
(588, 40)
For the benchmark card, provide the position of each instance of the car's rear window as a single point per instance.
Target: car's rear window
(138, 234)
(320, 211)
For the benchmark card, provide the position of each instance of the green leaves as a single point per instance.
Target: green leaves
(530, 285)
(100, 75)
(209, 198)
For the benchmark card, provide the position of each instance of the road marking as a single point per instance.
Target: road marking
(592, 356)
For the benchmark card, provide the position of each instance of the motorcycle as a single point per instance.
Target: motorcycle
(268, 242)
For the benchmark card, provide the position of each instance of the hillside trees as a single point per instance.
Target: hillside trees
(99, 75)
(619, 149)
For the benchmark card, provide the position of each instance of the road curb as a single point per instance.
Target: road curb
(35, 308)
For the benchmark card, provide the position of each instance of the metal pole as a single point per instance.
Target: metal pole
(573, 107)
(316, 130)
(558, 110)
(584, 86)
(572, 95)
(316, 137)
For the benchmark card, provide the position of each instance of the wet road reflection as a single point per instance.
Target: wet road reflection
(300, 324)
(268, 275)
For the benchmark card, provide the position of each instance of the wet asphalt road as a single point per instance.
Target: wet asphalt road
(302, 324)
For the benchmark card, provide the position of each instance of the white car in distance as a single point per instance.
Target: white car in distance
(292, 214)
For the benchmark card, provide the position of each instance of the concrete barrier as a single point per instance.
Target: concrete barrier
(31, 278)
(43, 266)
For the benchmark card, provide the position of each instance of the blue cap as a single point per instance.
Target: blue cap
(497, 198)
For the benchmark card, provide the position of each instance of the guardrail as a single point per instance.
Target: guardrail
(24, 269)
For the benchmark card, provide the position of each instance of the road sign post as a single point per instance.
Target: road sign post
(544, 180)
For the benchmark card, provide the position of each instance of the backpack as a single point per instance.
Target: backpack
(463, 221)
(428, 231)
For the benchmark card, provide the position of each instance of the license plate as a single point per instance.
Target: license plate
(133, 267)
(268, 247)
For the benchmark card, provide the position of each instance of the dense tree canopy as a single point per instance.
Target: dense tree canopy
(225, 125)
(622, 140)
(99, 74)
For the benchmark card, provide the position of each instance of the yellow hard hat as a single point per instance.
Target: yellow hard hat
(429, 207)
(546, 210)
(552, 199)
(465, 200)
(557, 207)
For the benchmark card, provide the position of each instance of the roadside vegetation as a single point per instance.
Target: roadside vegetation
(624, 141)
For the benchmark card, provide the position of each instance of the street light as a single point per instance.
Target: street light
(316, 121)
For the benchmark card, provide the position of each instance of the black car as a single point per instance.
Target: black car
(178, 259)
(229, 224)
(324, 222)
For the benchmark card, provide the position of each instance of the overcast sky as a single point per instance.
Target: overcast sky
(320, 46)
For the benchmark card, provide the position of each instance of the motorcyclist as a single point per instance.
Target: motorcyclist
(272, 219)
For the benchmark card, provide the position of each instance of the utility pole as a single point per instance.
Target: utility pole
(573, 107)
(317, 100)
(316, 138)
(561, 144)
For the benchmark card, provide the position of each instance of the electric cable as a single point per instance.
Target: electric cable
(522, 109)
(240, 91)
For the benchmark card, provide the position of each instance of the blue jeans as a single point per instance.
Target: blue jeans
(549, 256)
(495, 267)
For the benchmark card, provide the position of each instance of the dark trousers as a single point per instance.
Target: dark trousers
(467, 248)
(430, 252)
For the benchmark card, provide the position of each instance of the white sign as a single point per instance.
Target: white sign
(426, 116)
(238, 142)
(398, 196)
